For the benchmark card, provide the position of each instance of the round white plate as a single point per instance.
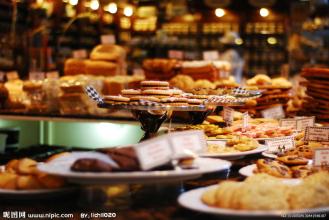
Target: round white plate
(35, 193)
(269, 155)
(192, 200)
(234, 155)
(204, 165)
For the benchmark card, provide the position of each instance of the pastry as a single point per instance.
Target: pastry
(91, 165)
(101, 68)
(107, 52)
(273, 168)
(74, 66)
(301, 171)
(293, 160)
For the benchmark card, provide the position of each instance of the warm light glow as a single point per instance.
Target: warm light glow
(39, 2)
(128, 11)
(73, 2)
(94, 4)
(112, 8)
(219, 12)
(264, 12)
(272, 40)
(238, 41)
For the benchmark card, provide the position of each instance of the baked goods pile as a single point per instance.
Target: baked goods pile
(105, 60)
(160, 69)
(22, 174)
(234, 145)
(274, 91)
(317, 102)
(264, 192)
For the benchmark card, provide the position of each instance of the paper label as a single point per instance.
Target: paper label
(80, 54)
(36, 76)
(52, 75)
(321, 157)
(274, 112)
(210, 55)
(187, 143)
(288, 122)
(317, 134)
(245, 120)
(176, 54)
(280, 144)
(108, 39)
(228, 114)
(154, 152)
(13, 75)
(2, 76)
(304, 122)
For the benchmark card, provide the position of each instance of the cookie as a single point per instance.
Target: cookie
(130, 92)
(301, 151)
(194, 101)
(144, 97)
(157, 93)
(152, 84)
(301, 171)
(293, 160)
(115, 99)
(273, 168)
(225, 193)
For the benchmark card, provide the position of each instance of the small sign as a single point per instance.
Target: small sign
(228, 114)
(52, 75)
(176, 54)
(13, 75)
(317, 134)
(280, 144)
(321, 157)
(2, 76)
(36, 76)
(275, 112)
(187, 143)
(80, 54)
(108, 39)
(304, 122)
(288, 122)
(190, 55)
(154, 152)
(245, 120)
(210, 55)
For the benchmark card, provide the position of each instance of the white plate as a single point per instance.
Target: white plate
(235, 155)
(62, 168)
(35, 193)
(269, 155)
(192, 200)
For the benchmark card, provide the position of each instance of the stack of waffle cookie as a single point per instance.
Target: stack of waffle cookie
(317, 84)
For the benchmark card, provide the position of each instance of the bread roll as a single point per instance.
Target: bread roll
(74, 66)
(108, 53)
(101, 68)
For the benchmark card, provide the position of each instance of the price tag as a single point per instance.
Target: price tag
(176, 54)
(228, 114)
(188, 55)
(288, 122)
(13, 75)
(275, 112)
(36, 76)
(154, 152)
(321, 157)
(108, 39)
(80, 54)
(210, 55)
(304, 122)
(187, 143)
(280, 144)
(317, 134)
(245, 120)
(2, 76)
(52, 75)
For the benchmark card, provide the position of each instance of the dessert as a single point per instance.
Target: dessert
(293, 160)
(152, 84)
(111, 99)
(273, 168)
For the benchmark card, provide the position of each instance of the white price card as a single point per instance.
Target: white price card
(275, 112)
(187, 143)
(108, 39)
(228, 114)
(321, 157)
(36, 76)
(304, 122)
(245, 120)
(316, 134)
(280, 144)
(288, 123)
(2, 76)
(13, 75)
(80, 54)
(154, 152)
(176, 54)
(52, 75)
(210, 55)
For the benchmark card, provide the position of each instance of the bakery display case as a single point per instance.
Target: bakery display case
(176, 110)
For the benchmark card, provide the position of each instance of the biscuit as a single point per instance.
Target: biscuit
(157, 93)
(274, 168)
(154, 83)
(115, 99)
(130, 92)
(224, 193)
(145, 98)
(293, 160)
(301, 171)
(209, 197)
